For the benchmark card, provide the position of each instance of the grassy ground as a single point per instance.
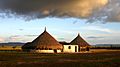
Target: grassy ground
(10, 48)
(22, 59)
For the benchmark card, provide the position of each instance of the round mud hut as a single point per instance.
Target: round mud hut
(76, 45)
(44, 43)
(82, 44)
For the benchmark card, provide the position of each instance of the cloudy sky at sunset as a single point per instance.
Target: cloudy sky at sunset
(97, 21)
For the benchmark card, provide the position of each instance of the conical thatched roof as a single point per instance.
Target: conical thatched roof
(45, 41)
(79, 41)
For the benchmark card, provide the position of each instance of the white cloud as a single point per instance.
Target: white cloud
(17, 38)
(106, 40)
(98, 28)
(1, 39)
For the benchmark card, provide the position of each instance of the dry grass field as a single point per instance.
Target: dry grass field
(94, 58)
(10, 47)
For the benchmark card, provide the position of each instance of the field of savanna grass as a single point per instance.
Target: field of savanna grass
(92, 59)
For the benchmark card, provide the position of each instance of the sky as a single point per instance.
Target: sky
(18, 30)
(97, 21)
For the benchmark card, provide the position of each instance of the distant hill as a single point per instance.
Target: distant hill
(20, 44)
(107, 45)
(12, 44)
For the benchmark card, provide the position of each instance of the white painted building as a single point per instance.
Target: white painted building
(70, 48)
(76, 45)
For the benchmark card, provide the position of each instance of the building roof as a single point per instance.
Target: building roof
(79, 41)
(64, 43)
(45, 41)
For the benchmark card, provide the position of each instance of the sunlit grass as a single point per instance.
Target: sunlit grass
(10, 48)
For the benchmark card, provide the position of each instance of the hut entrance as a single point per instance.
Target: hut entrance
(55, 50)
(75, 48)
(79, 49)
(87, 49)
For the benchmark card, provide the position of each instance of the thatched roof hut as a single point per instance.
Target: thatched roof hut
(79, 41)
(44, 42)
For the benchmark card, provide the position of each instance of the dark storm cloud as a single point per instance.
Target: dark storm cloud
(108, 13)
(106, 10)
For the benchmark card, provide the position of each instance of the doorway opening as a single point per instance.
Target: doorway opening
(55, 50)
(75, 48)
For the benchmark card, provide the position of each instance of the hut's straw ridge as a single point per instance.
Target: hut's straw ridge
(79, 41)
(44, 41)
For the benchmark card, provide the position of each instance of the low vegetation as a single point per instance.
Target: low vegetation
(105, 47)
(10, 48)
(95, 59)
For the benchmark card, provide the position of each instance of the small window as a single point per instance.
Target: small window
(69, 47)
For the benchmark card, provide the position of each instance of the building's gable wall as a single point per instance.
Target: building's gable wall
(86, 48)
(71, 49)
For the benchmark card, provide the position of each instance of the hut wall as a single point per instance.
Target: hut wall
(43, 51)
(58, 51)
(70, 48)
(83, 49)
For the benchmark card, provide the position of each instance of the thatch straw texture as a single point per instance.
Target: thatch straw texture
(79, 41)
(44, 41)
